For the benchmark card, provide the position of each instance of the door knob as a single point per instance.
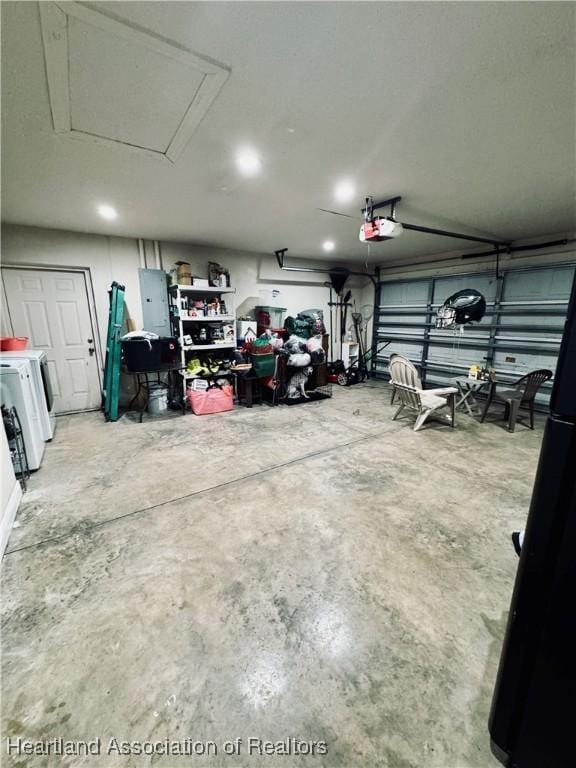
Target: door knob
(91, 350)
(89, 341)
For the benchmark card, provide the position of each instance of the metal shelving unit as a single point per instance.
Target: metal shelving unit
(182, 325)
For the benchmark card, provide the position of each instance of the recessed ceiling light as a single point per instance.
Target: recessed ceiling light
(328, 245)
(107, 212)
(248, 162)
(344, 191)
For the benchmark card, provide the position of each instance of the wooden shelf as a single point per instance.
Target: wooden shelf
(202, 289)
(203, 347)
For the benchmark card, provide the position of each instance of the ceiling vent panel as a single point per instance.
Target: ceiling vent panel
(118, 84)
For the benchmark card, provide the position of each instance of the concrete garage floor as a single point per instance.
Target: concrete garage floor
(317, 572)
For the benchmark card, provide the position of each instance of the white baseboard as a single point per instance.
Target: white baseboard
(8, 516)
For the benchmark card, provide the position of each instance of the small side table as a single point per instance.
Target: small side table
(467, 388)
(248, 388)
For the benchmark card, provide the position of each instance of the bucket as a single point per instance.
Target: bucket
(157, 398)
(13, 343)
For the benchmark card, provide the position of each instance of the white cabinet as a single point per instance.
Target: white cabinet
(350, 352)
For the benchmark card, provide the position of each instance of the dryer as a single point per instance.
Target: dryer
(17, 390)
(42, 386)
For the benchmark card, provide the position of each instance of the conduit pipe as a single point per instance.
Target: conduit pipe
(141, 253)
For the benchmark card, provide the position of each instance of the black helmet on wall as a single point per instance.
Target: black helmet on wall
(466, 306)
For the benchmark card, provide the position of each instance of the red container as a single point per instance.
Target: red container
(13, 343)
(214, 400)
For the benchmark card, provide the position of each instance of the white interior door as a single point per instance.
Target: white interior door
(51, 308)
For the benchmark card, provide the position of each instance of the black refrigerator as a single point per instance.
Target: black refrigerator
(533, 717)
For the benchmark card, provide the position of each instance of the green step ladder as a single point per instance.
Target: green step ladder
(113, 352)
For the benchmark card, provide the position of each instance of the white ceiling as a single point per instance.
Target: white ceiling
(466, 109)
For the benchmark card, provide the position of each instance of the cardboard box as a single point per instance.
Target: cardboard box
(183, 273)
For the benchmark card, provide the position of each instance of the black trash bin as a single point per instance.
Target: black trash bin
(142, 354)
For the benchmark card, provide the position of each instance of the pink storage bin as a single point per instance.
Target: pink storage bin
(214, 400)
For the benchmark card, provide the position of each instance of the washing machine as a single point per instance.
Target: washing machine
(17, 391)
(42, 386)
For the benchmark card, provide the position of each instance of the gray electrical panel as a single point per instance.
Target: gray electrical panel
(154, 296)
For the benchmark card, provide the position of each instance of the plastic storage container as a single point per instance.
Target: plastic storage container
(213, 400)
(269, 318)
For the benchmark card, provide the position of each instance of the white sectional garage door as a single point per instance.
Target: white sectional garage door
(521, 331)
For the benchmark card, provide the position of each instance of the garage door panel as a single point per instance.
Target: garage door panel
(409, 292)
(436, 377)
(546, 341)
(444, 362)
(552, 284)
(454, 336)
(408, 330)
(518, 362)
(554, 322)
(448, 352)
(410, 349)
(445, 287)
(393, 316)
